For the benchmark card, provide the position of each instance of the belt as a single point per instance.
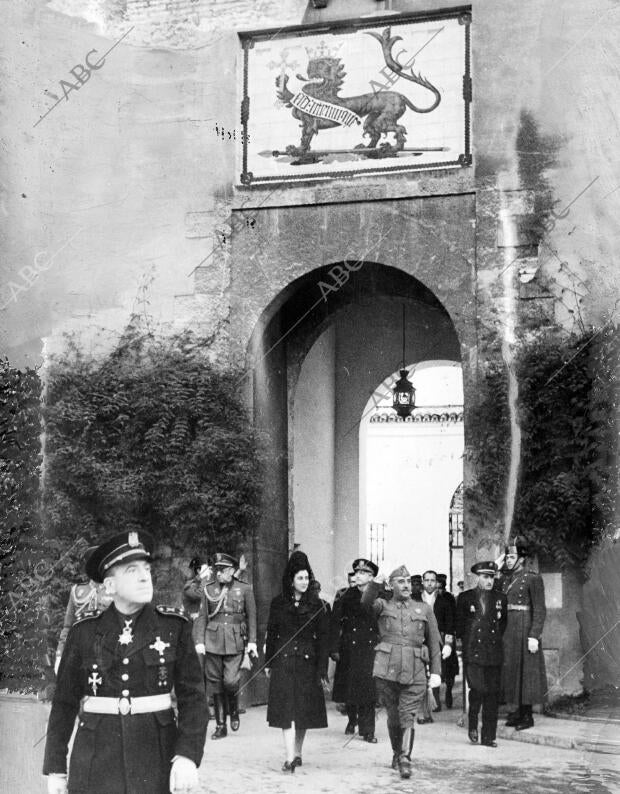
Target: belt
(518, 607)
(124, 706)
(230, 617)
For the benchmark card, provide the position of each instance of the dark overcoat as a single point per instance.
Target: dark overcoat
(523, 675)
(445, 614)
(354, 635)
(297, 652)
(114, 754)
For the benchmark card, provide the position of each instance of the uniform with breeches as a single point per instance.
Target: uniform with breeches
(408, 640)
(480, 623)
(523, 675)
(117, 674)
(227, 620)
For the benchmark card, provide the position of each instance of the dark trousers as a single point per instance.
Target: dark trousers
(223, 673)
(363, 716)
(484, 684)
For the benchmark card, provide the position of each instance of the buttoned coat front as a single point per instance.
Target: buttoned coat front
(354, 635)
(225, 627)
(115, 754)
(481, 617)
(296, 650)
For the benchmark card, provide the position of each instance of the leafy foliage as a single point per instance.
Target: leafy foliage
(153, 438)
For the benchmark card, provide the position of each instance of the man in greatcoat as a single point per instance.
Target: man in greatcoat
(408, 638)
(117, 674)
(481, 615)
(524, 682)
(226, 621)
(353, 636)
(444, 608)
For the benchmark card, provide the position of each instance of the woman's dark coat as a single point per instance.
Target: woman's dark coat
(354, 635)
(297, 653)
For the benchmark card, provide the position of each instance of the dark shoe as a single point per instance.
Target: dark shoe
(370, 738)
(473, 735)
(524, 723)
(233, 711)
(513, 718)
(289, 767)
(488, 743)
(220, 732)
(424, 720)
(449, 698)
(297, 760)
(404, 766)
(350, 729)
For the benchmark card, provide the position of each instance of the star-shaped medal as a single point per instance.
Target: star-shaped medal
(126, 636)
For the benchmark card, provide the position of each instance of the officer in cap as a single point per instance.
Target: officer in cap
(117, 673)
(524, 681)
(227, 620)
(353, 636)
(481, 615)
(408, 639)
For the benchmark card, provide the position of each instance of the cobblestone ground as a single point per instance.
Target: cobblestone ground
(444, 761)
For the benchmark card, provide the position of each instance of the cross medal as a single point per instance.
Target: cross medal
(95, 680)
(126, 636)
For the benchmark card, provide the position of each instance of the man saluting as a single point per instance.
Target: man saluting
(117, 672)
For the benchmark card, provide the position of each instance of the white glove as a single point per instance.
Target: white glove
(434, 681)
(532, 645)
(500, 561)
(183, 775)
(252, 650)
(267, 672)
(56, 783)
(446, 651)
(204, 571)
(200, 648)
(56, 665)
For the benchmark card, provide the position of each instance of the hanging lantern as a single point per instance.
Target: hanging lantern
(403, 401)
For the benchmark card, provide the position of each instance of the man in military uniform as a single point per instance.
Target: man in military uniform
(481, 615)
(84, 597)
(443, 604)
(408, 637)
(523, 676)
(227, 619)
(117, 673)
(192, 588)
(353, 636)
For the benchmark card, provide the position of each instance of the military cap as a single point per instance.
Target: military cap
(362, 564)
(484, 567)
(416, 578)
(123, 547)
(224, 561)
(441, 577)
(399, 572)
(195, 563)
(517, 546)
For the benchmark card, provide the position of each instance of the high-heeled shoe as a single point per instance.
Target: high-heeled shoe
(297, 761)
(289, 767)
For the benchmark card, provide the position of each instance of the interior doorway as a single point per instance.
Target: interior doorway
(410, 470)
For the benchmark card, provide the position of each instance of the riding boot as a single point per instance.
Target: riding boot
(404, 759)
(396, 741)
(352, 715)
(219, 706)
(437, 706)
(449, 700)
(233, 711)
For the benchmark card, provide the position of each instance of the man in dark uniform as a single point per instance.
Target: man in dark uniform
(481, 615)
(117, 673)
(85, 597)
(353, 636)
(523, 676)
(408, 637)
(227, 619)
(192, 589)
(444, 607)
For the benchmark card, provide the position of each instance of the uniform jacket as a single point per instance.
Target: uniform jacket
(480, 622)
(408, 637)
(526, 588)
(297, 653)
(353, 634)
(192, 595)
(86, 597)
(225, 629)
(114, 754)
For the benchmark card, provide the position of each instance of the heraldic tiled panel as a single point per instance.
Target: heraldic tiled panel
(389, 95)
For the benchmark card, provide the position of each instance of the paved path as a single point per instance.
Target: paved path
(250, 761)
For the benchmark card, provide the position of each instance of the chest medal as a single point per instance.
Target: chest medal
(126, 636)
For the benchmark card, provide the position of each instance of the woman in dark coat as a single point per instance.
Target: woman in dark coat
(296, 659)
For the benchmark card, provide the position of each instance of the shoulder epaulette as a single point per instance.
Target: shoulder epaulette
(88, 615)
(177, 612)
